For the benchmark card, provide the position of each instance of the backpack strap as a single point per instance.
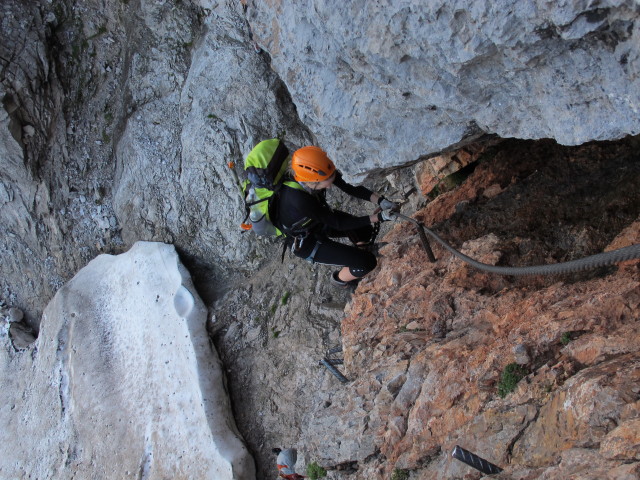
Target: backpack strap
(279, 156)
(273, 210)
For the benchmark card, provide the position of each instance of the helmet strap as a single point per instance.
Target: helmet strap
(308, 188)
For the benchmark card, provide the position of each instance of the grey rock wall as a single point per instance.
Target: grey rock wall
(172, 178)
(119, 120)
(122, 116)
(386, 82)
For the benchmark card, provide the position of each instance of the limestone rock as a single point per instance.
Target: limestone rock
(582, 413)
(172, 180)
(394, 81)
(521, 353)
(117, 123)
(434, 171)
(623, 442)
(121, 381)
(128, 137)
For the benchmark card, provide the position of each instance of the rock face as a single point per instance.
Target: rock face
(392, 81)
(122, 116)
(172, 180)
(118, 119)
(426, 344)
(121, 382)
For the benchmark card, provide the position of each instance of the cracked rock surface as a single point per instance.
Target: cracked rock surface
(118, 119)
(424, 345)
(384, 80)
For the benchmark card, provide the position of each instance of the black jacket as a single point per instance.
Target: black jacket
(299, 212)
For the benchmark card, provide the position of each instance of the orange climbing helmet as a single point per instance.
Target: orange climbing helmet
(311, 164)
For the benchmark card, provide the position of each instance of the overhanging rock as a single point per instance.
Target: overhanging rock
(383, 83)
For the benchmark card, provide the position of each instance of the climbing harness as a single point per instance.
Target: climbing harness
(312, 256)
(374, 234)
(594, 261)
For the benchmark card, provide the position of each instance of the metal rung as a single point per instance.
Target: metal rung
(474, 461)
(334, 370)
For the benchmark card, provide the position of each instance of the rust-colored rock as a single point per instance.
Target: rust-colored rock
(434, 171)
(426, 343)
(623, 442)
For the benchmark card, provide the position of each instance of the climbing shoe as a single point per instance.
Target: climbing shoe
(335, 280)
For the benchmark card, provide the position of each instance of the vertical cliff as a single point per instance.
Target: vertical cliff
(427, 343)
(118, 119)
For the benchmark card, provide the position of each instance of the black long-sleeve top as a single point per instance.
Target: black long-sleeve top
(299, 211)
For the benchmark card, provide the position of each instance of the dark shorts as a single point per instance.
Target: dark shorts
(322, 249)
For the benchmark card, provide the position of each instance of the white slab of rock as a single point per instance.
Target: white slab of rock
(122, 381)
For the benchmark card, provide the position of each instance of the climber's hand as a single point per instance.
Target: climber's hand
(387, 215)
(387, 204)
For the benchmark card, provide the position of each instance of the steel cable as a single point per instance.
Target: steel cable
(587, 263)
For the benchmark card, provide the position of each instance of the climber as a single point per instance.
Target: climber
(286, 463)
(309, 222)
